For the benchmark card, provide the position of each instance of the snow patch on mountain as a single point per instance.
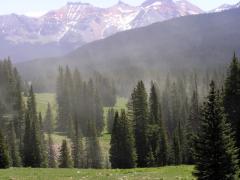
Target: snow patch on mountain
(158, 3)
(83, 22)
(226, 7)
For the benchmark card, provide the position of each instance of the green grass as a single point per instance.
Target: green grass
(44, 98)
(42, 101)
(120, 104)
(104, 141)
(165, 173)
(58, 138)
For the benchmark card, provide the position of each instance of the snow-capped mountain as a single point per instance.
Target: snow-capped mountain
(84, 22)
(226, 7)
(78, 23)
(152, 11)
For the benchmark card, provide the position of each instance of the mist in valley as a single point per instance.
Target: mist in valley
(160, 91)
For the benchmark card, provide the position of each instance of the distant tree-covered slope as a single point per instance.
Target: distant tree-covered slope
(203, 40)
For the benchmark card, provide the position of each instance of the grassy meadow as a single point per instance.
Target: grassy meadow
(45, 98)
(165, 173)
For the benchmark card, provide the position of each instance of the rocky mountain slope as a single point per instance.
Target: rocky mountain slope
(62, 30)
(226, 7)
(201, 41)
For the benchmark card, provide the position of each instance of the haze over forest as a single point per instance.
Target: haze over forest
(125, 87)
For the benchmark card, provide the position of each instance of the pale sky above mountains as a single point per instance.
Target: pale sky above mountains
(39, 7)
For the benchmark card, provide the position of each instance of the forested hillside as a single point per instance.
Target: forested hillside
(190, 120)
(157, 102)
(195, 42)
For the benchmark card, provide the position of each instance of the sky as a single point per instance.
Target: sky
(39, 7)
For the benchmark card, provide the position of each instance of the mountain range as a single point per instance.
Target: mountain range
(63, 30)
(226, 7)
(202, 41)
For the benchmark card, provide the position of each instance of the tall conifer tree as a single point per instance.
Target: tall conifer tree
(232, 97)
(98, 111)
(157, 132)
(154, 122)
(60, 97)
(4, 158)
(215, 151)
(13, 147)
(122, 151)
(51, 153)
(33, 146)
(19, 108)
(27, 143)
(176, 149)
(77, 148)
(110, 120)
(192, 126)
(94, 156)
(140, 109)
(48, 122)
(43, 146)
(65, 160)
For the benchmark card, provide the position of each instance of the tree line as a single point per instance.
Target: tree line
(204, 134)
(170, 125)
(82, 101)
(26, 137)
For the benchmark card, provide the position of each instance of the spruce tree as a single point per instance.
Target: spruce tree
(43, 146)
(166, 106)
(163, 152)
(114, 143)
(154, 122)
(27, 143)
(77, 148)
(174, 108)
(65, 99)
(232, 97)
(65, 160)
(33, 140)
(128, 149)
(4, 158)
(110, 120)
(193, 121)
(48, 122)
(192, 126)
(130, 113)
(157, 132)
(78, 100)
(19, 119)
(60, 97)
(176, 149)
(51, 153)
(122, 150)
(68, 102)
(94, 156)
(13, 147)
(140, 110)
(98, 111)
(215, 151)
(36, 145)
(20, 109)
